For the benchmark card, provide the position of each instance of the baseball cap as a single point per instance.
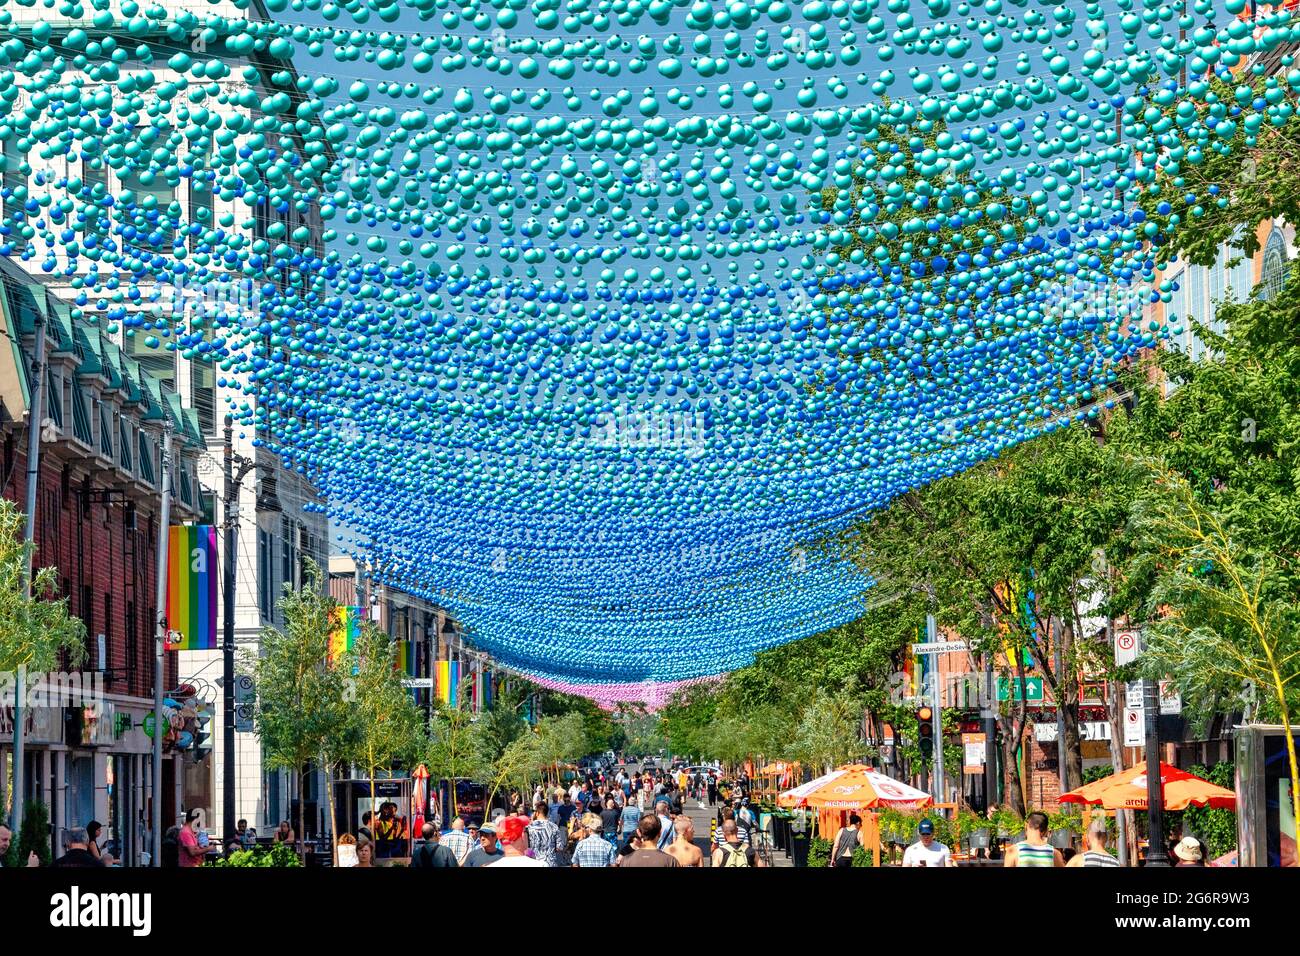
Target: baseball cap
(925, 826)
(488, 828)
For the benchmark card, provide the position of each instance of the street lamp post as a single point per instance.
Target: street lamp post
(29, 544)
(231, 494)
(1156, 854)
(160, 647)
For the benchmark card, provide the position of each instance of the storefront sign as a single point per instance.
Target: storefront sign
(41, 725)
(1045, 733)
(973, 752)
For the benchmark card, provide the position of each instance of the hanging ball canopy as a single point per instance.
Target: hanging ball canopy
(591, 320)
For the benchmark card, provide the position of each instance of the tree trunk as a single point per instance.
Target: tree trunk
(1069, 681)
(334, 819)
(302, 816)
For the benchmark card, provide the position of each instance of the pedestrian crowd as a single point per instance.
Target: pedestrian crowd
(628, 818)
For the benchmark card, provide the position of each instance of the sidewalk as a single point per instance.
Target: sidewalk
(704, 821)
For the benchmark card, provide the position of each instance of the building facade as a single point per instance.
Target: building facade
(98, 505)
(279, 522)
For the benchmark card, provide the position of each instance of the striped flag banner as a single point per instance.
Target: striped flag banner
(448, 682)
(405, 660)
(192, 586)
(345, 628)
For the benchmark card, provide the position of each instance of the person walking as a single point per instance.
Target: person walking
(732, 852)
(486, 853)
(927, 851)
(1096, 854)
(78, 854)
(6, 838)
(513, 833)
(609, 822)
(646, 852)
(429, 853)
(593, 850)
(544, 837)
(458, 841)
(667, 833)
(683, 849)
(628, 820)
(190, 853)
(1189, 852)
(847, 839)
(1034, 850)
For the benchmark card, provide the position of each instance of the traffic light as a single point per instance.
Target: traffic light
(925, 731)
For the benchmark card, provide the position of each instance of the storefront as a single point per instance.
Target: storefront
(90, 763)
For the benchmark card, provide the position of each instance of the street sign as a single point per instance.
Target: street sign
(1171, 699)
(1127, 646)
(939, 647)
(1133, 694)
(1033, 689)
(1134, 727)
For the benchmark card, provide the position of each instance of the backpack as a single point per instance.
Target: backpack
(171, 848)
(735, 857)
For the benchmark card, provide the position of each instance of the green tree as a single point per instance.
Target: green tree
(1197, 207)
(34, 626)
(1008, 549)
(829, 730)
(1220, 614)
(904, 178)
(450, 750)
(303, 715)
(388, 726)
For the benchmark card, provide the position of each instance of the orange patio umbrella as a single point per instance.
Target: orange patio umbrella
(1128, 791)
(855, 787)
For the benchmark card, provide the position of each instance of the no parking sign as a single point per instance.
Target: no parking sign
(1127, 645)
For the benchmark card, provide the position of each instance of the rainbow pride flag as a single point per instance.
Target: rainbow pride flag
(192, 586)
(447, 682)
(345, 628)
(405, 660)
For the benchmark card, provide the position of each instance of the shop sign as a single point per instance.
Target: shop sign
(41, 725)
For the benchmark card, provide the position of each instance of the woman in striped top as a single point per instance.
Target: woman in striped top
(1034, 850)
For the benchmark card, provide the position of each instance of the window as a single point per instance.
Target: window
(286, 552)
(106, 663)
(132, 628)
(200, 206)
(1196, 308)
(88, 608)
(124, 444)
(94, 180)
(106, 429)
(15, 186)
(153, 212)
(146, 458)
(265, 587)
(80, 417)
(203, 389)
(54, 397)
(155, 360)
(1273, 273)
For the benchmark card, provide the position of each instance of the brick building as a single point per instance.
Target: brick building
(97, 513)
